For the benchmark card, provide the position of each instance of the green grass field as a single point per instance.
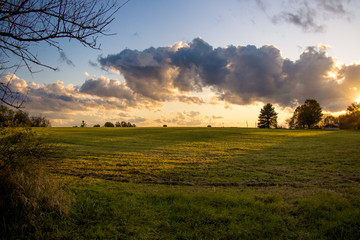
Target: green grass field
(206, 183)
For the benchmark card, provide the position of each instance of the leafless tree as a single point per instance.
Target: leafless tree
(10, 97)
(24, 23)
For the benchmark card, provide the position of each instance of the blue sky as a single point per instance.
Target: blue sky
(333, 26)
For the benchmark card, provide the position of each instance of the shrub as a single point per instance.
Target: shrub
(10, 118)
(27, 194)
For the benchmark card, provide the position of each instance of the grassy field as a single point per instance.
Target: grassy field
(206, 183)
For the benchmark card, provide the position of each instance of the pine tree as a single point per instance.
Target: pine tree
(267, 117)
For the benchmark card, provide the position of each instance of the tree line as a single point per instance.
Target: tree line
(309, 115)
(117, 124)
(9, 118)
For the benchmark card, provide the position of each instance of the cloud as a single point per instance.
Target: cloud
(93, 64)
(191, 99)
(104, 87)
(95, 93)
(137, 120)
(124, 114)
(65, 59)
(146, 72)
(238, 75)
(56, 97)
(308, 15)
(185, 118)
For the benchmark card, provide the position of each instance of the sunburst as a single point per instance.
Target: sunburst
(357, 100)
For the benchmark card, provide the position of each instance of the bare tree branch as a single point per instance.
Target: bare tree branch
(9, 97)
(27, 22)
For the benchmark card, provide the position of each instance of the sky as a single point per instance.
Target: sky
(201, 62)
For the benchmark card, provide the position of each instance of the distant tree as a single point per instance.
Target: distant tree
(328, 120)
(108, 124)
(39, 121)
(97, 125)
(123, 124)
(117, 124)
(351, 119)
(267, 117)
(306, 115)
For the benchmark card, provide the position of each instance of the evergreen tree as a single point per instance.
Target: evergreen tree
(267, 117)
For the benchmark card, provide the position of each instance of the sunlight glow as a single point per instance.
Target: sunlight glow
(357, 100)
(332, 75)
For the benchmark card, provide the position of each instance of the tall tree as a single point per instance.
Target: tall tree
(267, 117)
(308, 114)
(24, 23)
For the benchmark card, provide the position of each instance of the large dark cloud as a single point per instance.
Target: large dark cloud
(146, 72)
(239, 75)
(198, 62)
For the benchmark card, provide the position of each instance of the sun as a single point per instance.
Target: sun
(357, 100)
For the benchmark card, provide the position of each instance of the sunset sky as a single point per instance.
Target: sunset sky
(200, 62)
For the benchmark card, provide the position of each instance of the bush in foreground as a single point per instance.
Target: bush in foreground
(28, 195)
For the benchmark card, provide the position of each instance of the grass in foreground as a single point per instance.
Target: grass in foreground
(208, 183)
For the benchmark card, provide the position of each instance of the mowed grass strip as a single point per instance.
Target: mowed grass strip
(209, 183)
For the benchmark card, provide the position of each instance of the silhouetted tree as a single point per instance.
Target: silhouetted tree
(97, 125)
(267, 117)
(308, 114)
(108, 124)
(123, 124)
(9, 117)
(329, 120)
(39, 121)
(351, 119)
(117, 124)
(294, 122)
(24, 23)
(22, 118)
(353, 108)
